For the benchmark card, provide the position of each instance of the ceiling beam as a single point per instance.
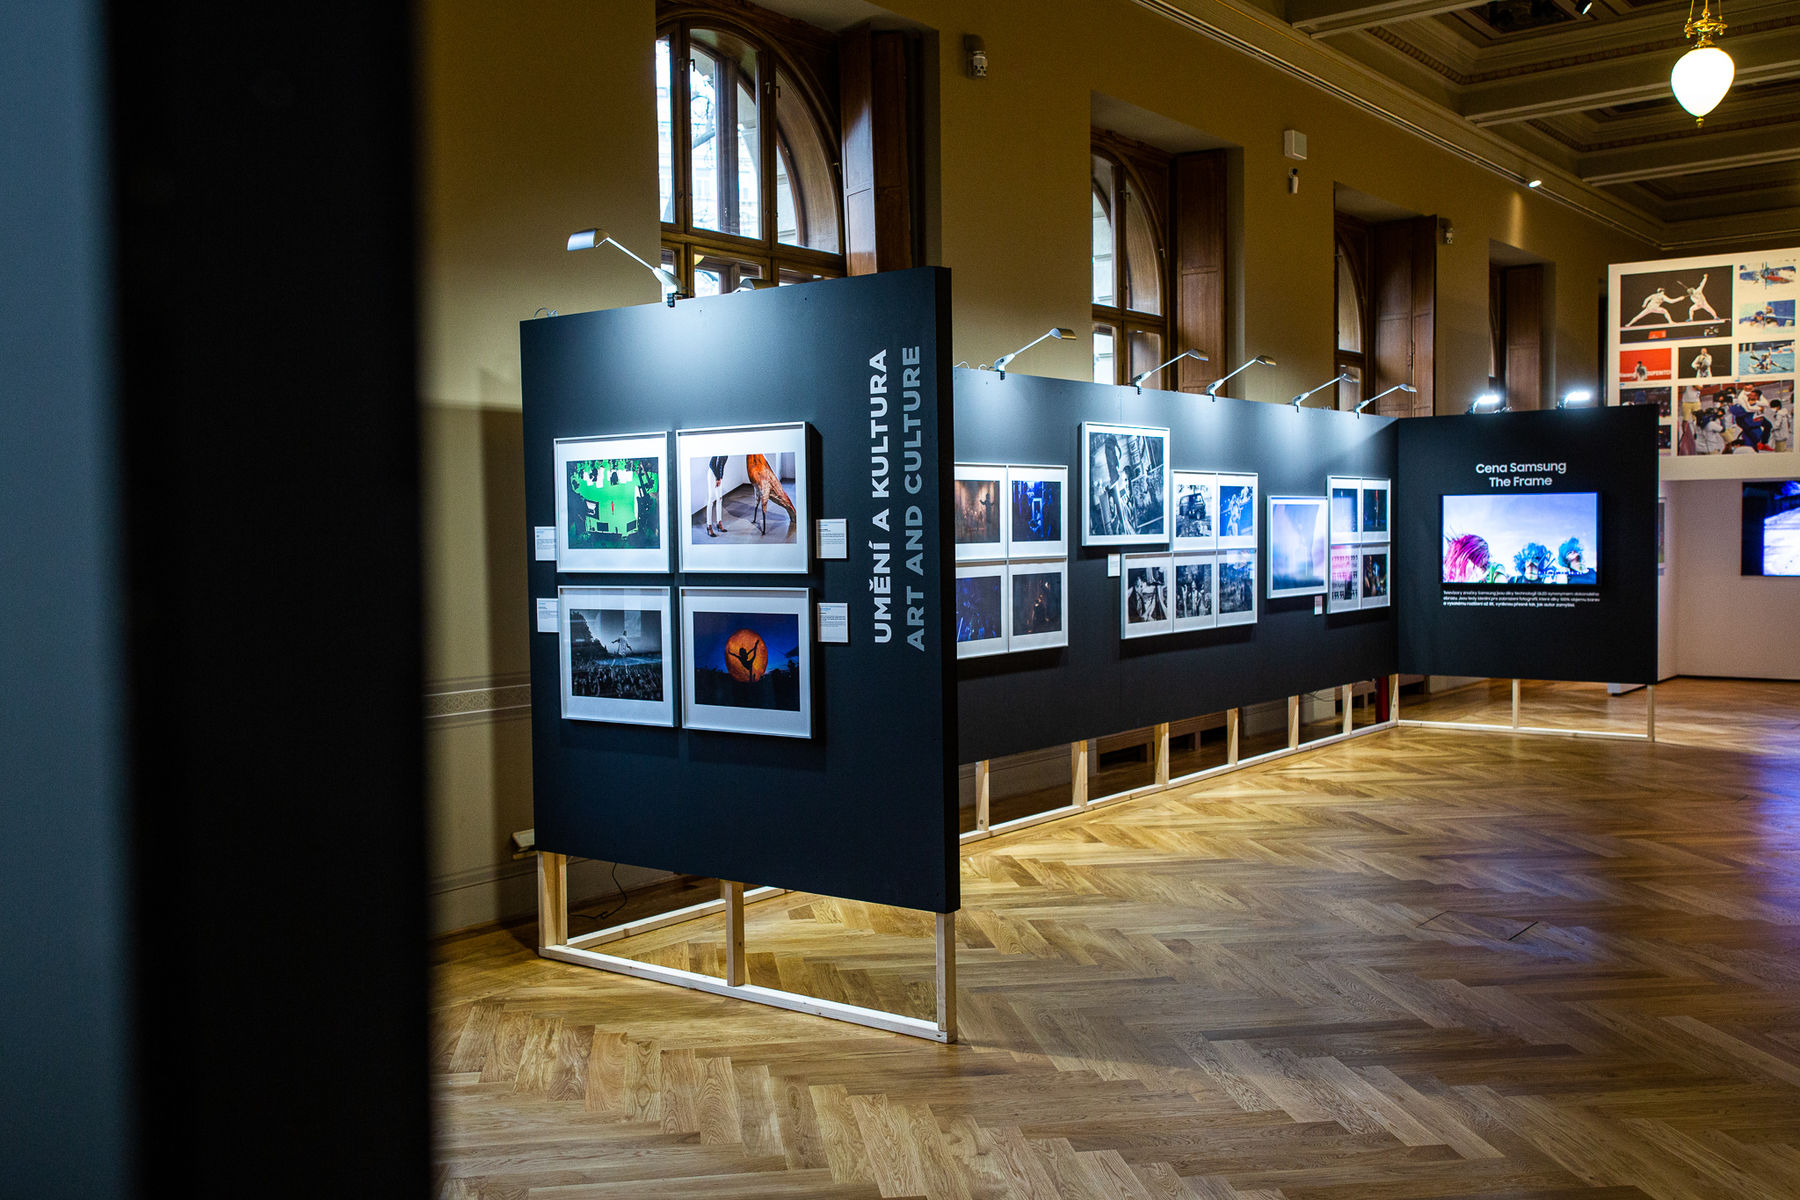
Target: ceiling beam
(1323, 17)
(1675, 157)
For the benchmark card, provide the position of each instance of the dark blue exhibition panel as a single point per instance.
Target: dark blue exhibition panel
(1101, 684)
(1603, 631)
(865, 808)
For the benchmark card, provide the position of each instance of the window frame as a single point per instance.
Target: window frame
(1120, 318)
(1351, 244)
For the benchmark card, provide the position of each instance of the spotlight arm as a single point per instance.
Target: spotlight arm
(1137, 381)
(1212, 389)
(1059, 334)
(1398, 387)
(593, 239)
(1338, 378)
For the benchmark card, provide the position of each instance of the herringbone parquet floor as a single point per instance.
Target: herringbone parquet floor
(1417, 964)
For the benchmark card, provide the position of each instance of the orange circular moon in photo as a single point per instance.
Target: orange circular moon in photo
(746, 656)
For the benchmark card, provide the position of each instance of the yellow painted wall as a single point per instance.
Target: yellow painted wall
(538, 119)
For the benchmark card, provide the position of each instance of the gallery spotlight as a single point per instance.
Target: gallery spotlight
(1408, 388)
(1576, 399)
(1137, 381)
(1261, 360)
(1000, 363)
(590, 239)
(1488, 402)
(1339, 378)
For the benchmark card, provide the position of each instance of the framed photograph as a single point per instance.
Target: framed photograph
(1237, 512)
(1037, 526)
(978, 505)
(1127, 482)
(1346, 510)
(981, 610)
(615, 650)
(1375, 510)
(1145, 602)
(1038, 615)
(1196, 592)
(747, 659)
(1237, 587)
(610, 510)
(1346, 575)
(1375, 577)
(1297, 546)
(1196, 510)
(743, 498)
(1499, 539)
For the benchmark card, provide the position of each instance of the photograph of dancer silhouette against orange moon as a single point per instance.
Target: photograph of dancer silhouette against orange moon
(747, 660)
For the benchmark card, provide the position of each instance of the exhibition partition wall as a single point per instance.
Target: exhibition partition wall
(1226, 464)
(1525, 545)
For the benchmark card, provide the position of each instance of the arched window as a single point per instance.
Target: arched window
(748, 177)
(1130, 315)
(1351, 289)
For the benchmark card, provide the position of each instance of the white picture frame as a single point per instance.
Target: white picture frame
(1236, 520)
(978, 511)
(1196, 592)
(1299, 554)
(1146, 600)
(1237, 587)
(725, 523)
(1376, 518)
(594, 477)
(1344, 495)
(1376, 584)
(731, 642)
(1125, 484)
(615, 655)
(1345, 594)
(1037, 517)
(981, 609)
(1037, 605)
(1194, 504)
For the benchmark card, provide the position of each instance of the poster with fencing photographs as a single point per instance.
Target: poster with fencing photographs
(1196, 592)
(1144, 595)
(615, 652)
(1346, 577)
(1297, 546)
(747, 660)
(981, 610)
(1038, 615)
(1675, 303)
(978, 506)
(1346, 510)
(743, 498)
(1375, 496)
(610, 510)
(1237, 587)
(1038, 512)
(1127, 484)
(1375, 580)
(1196, 510)
(1237, 512)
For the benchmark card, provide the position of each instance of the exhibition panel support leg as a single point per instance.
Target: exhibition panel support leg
(1078, 770)
(553, 899)
(983, 793)
(1293, 721)
(705, 908)
(1162, 755)
(733, 895)
(1650, 712)
(946, 975)
(1394, 697)
(1515, 704)
(1347, 702)
(1231, 737)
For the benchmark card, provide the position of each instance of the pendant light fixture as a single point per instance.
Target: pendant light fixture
(1703, 75)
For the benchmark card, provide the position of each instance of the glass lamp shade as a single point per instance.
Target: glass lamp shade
(1701, 78)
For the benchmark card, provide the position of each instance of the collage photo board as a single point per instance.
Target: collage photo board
(1012, 550)
(1709, 343)
(1359, 524)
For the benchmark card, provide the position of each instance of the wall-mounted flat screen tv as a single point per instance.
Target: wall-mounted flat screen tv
(1506, 539)
(1772, 527)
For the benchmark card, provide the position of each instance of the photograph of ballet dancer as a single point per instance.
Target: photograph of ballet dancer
(747, 660)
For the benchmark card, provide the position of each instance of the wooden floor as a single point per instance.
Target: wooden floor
(1421, 963)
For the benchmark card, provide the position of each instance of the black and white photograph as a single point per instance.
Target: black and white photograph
(1297, 546)
(1196, 592)
(981, 610)
(979, 512)
(747, 660)
(1237, 587)
(1237, 512)
(1144, 593)
(1127, 484)
(1196, 505)
(1039, 608)
(1682, 303)
(1346, 568)
(1374, 580)
(1346, 509)
(611, 513)
(743, 496)
(1038, 504)
(615, 650)
(1375, 495)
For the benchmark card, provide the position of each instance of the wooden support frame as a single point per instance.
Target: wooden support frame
(1160, 752)
(1347, 705)
(984, 792)
(1232, 718)
(1518, 726)
(1078, 774)
(554, 943)
(1293, 722)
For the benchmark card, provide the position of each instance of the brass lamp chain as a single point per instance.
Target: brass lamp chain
(1704, 28)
